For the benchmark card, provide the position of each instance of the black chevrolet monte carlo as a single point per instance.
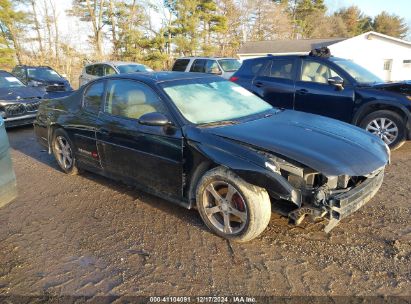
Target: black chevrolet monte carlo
(201, 141)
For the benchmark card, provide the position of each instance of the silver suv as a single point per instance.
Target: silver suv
(225, 67)
(100, 69)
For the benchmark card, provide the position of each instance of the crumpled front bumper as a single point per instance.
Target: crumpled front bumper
(344, 204)
(341, 205)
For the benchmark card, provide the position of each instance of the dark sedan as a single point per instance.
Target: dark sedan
(44, 78)
(201, 141)
(18, 103)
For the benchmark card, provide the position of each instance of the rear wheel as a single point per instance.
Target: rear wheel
(231, 207)
(63, 151)
(387, 125)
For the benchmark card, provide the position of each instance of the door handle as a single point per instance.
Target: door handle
(302, 92)
(259, 84)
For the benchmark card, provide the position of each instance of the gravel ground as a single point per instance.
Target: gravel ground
(87, 235)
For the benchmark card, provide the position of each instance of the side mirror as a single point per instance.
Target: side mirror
(336, 81)
(154, 119)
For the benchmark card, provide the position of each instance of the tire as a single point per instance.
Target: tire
(247, 211)
(61, 154)
(388, 120)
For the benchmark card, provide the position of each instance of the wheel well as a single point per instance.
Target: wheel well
(195, 177)
(51, 130)
(378, 107)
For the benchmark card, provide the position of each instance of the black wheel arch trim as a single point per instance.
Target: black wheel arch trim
(392, 104)
(248, 171)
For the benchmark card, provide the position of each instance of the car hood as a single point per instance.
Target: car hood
(20, 93)
(323, 144)
(403, 87)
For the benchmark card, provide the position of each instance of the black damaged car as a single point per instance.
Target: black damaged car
(18, 103)
(201, 141)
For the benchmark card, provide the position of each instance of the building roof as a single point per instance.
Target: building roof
(303, 46)
(285, 46)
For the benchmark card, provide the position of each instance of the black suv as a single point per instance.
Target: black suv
(333, 87)
(44, 78)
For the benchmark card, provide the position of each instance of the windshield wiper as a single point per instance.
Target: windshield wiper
(219, 123)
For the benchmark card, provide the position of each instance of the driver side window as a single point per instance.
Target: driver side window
(131, 99)
(313, 71)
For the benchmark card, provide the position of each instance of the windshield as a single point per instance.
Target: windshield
(9, 82)
(210, 100)
(229, 65)
(43, 74)
(132, 68)
(357, 72)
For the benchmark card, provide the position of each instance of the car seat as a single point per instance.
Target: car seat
(137, 104)
(308, 71)
(321, 75)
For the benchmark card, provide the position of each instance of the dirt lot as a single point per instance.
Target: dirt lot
(87, 235)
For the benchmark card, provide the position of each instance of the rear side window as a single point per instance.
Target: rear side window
(198, 66)
(280, 68)
(180, 65)
(90, 69)
(251, 67)
(93, 97)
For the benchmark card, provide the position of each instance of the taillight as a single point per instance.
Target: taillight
(233, 78)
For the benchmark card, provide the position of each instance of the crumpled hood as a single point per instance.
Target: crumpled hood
(20, 93)
(402, 87)
(323, 144)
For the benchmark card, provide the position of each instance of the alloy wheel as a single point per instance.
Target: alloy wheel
(225, 207)
(384, 128)
(63, 152)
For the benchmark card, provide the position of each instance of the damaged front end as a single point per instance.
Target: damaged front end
(325, 197)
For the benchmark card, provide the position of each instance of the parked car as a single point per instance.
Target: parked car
(199, 140)
(100, 69)
(224, 67)
(18, 102)
(333, 87)
(43, 78)
(8, 187)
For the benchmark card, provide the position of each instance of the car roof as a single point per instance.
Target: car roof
(156, 77)
(205, 57)
(5, 73)
(269, 56)
(34, 66)
(115, 63)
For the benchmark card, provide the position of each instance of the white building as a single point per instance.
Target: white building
(387, 57)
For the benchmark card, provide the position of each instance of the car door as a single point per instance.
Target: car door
(275, 83)
(315, 95)
(150, 156)
(84, 125)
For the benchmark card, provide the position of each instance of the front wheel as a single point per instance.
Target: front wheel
(387, 125)
(231, 207)
(63, 151)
